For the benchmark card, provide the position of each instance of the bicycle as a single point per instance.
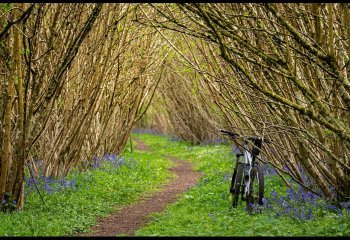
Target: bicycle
(247, 178)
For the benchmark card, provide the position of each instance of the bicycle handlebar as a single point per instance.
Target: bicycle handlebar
(257, 141)
(235, 135)
(231, 134)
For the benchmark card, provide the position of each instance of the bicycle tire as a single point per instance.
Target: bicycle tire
(237, 184)
(256, 189)
(233, 179)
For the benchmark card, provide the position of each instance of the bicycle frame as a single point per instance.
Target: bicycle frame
(246, 171)
(249, 160)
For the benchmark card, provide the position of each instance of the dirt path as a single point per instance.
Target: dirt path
(141, 145)
(127, 220)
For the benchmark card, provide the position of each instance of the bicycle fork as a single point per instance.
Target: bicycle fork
(249, 161)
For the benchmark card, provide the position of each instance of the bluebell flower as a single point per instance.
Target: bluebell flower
(48, 189)
(274, 193)
(272, 171)
(236, 150)
(309, 213)
(265, 201)
(311, 216)
(345, 204)
(313, 201)
(290, 192)
(284, 203)
(332, 207)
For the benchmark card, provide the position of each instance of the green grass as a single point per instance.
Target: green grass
(74, 211)
(202, 211)
(205, 209)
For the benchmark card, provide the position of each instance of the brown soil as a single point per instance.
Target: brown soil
(141, 145)
(130, 218)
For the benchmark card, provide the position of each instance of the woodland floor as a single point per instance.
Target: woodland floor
(130, 218)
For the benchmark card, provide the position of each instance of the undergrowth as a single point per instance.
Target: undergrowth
(73, 204)
(205, 209)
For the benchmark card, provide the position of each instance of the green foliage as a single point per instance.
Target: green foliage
(202, 211)
(16, 79)
(205, 209)
(98, 192)
(6, 7)
(328, 133)
(24, 51)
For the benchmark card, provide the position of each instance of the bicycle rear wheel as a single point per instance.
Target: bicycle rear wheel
(255, 193)
(236, 184)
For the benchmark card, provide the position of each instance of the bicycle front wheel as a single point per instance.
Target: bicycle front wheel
(255, 192)
(237, 184)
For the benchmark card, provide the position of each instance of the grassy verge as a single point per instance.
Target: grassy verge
(205, 209)
(74, 203)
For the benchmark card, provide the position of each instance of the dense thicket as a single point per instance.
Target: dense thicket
(76, 78)
(275, 70)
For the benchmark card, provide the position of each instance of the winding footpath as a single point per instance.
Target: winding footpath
(130, 218)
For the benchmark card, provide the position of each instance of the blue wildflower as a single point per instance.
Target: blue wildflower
(236, 150)
(273, 193)
(345, 204)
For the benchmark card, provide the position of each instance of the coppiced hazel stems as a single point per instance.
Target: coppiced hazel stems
(89, 74)
(278, 66)
(76, 78)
